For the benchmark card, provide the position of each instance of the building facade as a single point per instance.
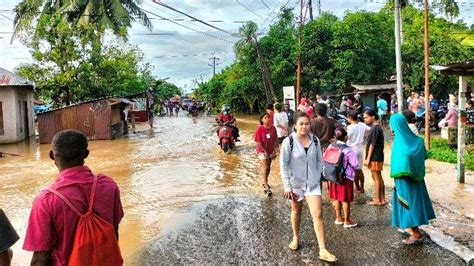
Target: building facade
(16, 108)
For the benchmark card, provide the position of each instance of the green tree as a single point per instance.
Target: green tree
(72, 64)
(116, 15)
(249, 36)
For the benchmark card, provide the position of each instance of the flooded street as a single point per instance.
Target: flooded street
(185, 201)
(159, 173)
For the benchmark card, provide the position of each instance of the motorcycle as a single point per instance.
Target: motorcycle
(226, 137)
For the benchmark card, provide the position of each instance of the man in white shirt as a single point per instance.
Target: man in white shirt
(280, 121)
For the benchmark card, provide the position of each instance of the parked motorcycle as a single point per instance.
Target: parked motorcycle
(226, 137)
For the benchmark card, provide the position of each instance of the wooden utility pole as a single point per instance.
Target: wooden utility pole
(214, 58)
(298, 71)
(427, 80)
(398, 56)
(319, 7)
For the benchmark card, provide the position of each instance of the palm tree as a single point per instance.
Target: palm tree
(249, 36)
(450, 8)
(116, 15)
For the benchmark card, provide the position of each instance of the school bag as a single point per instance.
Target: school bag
(95, 242)
(334, 170)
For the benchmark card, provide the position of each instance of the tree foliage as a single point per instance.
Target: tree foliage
(116, 15)
(73, 64)
(336, 53)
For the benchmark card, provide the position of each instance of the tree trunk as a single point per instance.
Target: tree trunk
(265, 73)
(310, 7)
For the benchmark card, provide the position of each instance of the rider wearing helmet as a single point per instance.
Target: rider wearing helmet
(226, 117)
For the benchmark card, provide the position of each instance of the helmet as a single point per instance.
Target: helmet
(225, 108)
(357, 96)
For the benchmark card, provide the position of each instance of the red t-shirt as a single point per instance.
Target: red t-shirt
(52, 224)
(268, 138)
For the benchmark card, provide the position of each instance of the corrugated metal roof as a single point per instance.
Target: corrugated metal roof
(114, 100)
(375, 87)
(465, 68)
(8, 78)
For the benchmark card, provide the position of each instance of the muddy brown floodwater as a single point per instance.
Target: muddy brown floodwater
(159, 172)
(186, 201)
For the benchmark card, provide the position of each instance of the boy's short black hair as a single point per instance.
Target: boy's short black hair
(70, 145)
(269, 106)
(371, 112)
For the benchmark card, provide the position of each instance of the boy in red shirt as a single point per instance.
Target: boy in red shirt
(52, 224)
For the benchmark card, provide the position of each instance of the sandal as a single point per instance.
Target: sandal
(412, 241)
(403, 232)
(325, 255)
(350, 224)
(294, 245)
(336, 222)
(267, 191)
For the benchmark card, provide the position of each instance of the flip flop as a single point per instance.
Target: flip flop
(336, 222)
(403, 232)
(326, 256)
(410, 241)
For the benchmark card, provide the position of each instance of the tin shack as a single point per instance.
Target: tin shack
(99, 119)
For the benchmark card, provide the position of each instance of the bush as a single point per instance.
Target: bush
(441, 151)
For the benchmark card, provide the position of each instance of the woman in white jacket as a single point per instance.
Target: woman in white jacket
(301, 165)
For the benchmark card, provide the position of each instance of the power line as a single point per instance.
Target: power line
(189, 28)
(250, 10)
(189, 16)
(191, 55)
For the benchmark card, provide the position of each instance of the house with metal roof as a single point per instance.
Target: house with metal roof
(16, 107)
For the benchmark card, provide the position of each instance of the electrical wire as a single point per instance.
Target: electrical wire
(184, 26)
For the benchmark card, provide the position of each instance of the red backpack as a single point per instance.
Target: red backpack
(95, 242)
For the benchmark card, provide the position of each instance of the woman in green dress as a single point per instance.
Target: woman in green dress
(411, 203)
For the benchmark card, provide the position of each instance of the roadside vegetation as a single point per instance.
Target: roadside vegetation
(336, 53)
(441, 151)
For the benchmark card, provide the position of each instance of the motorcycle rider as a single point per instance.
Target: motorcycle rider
(226, 117)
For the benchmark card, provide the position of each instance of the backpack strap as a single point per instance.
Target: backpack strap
(68, 203)
(291, 144)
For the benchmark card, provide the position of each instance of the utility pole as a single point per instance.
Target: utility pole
(427, 80)
(298, 71)
(319, 7)
(214, 58)
(398, 57)
(310, 7)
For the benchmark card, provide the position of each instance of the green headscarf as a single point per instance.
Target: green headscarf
(408, 151)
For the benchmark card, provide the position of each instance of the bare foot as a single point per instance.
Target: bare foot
(374, 203)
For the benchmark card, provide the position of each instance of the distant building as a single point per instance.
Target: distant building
(369, 93)
(16, 107)
(98, 119)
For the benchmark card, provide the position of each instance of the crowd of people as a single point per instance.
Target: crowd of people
(80, 207)
(314, 149)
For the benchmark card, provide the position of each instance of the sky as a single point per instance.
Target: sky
(181, 50)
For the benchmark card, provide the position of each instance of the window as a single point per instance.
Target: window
(1, 119)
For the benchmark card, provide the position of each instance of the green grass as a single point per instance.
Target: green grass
(441, 151)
